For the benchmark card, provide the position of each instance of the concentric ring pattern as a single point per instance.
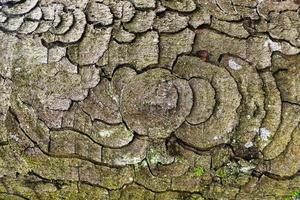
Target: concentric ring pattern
(150, 99)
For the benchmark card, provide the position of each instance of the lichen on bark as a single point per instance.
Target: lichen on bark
(150, 99)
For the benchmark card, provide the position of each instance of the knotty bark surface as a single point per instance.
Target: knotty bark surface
(149, 99)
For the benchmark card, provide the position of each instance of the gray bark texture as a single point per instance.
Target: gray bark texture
(150, 99)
